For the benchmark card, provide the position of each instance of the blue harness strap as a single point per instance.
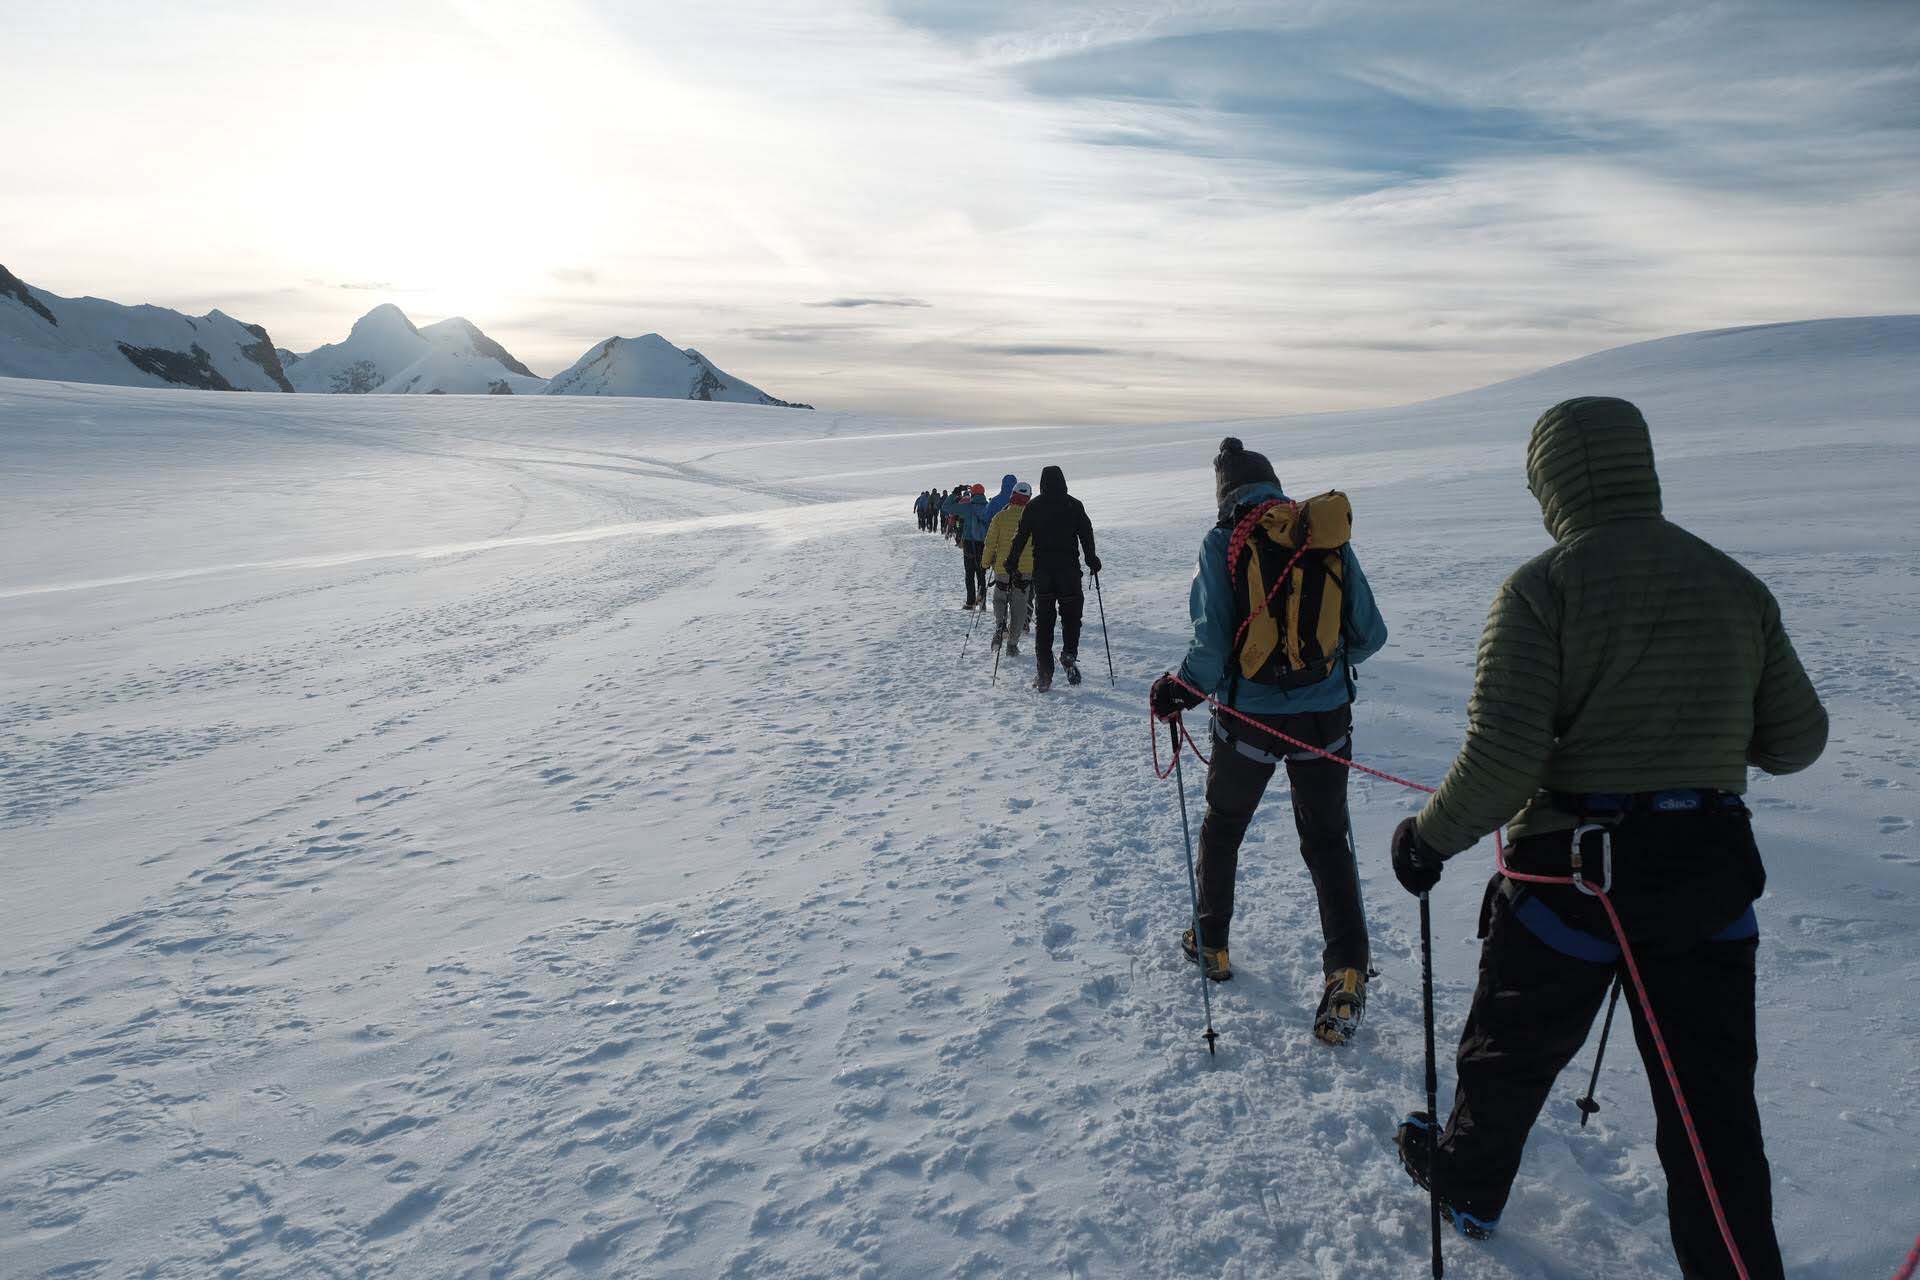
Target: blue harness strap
(1746, 928)
(1543, 923)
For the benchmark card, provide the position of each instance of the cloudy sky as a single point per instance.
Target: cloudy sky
(987, 209)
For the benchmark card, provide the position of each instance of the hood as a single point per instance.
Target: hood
(1053, 483)
(1258, 491)
(1589, 462)
(1006, 485)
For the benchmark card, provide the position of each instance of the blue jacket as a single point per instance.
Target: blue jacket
(973, 519)
(995, 505)
(1363, 630)
(947, 505)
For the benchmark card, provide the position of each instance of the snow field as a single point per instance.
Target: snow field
(604, 864)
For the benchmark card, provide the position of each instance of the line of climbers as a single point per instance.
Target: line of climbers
(1625, 680)
(1031, 545)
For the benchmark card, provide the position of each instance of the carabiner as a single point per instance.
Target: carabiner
(1577, 859)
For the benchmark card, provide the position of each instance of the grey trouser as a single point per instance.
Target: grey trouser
(1006, 600)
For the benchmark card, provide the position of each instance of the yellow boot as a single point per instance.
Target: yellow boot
(1218, 967)
(1342, 1006)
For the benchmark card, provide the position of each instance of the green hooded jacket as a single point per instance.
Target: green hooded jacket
(1629, 657)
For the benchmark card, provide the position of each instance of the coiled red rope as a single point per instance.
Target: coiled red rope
(1906, 1271)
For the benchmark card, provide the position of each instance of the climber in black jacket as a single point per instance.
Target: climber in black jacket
(1058, 527)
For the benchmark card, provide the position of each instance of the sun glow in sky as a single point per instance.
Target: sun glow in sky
(992, 209)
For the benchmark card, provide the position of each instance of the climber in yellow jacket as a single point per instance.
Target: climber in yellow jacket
(1012, 585)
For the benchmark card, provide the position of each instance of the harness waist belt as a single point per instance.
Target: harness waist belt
(1602, 804)
(1247, 749)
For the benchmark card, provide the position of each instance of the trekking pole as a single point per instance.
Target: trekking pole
(1111, 678)
(1587, 1105)
(996, 665)
(1433, 1085)
(969, 640)
(1193, 885)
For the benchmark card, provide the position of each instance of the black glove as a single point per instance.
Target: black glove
(1169, 698)
(1093, 565)
(1415, 865)
(1019, 583)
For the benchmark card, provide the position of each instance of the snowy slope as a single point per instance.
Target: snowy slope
(651, 366)
(552, 837)
(460, 373)
(384, 352)
(43, 335)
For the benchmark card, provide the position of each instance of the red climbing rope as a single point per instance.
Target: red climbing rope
(1275, 733)
(1912, 1263)
(1619, 933)
(1235, 544)
(1154, 738)
(1653, 1030)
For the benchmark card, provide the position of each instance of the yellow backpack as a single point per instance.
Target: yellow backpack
(1289, 582)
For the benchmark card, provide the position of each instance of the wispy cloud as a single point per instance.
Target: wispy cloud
(806, 333)
(358, 286)
(1042, 349)
(848, 303)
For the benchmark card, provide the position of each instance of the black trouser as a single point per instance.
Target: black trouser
(1235, 783)
(975, 569)
(1069, 609)
(1534, 1006)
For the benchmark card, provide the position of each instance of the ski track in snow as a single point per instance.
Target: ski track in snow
(686, 906)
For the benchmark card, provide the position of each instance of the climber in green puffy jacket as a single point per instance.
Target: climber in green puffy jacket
(1629, 656)
(1626, 679)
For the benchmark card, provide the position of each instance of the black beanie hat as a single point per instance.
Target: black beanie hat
(1233, 466)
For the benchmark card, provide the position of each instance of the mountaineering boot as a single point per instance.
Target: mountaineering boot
(1043, 682)
(999, 634)
(1070, 662)
(1415, 1143)
(1013, 646)
(1342, 1005)
(1219, 968)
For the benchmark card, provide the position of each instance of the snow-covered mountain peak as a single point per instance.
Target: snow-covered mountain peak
(385, 351)
(461, 336)
(384, 320)
(43, 335)
(651, 366)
